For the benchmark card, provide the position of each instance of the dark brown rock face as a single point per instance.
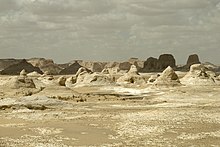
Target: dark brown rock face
(97, 66)
(150, 64)
(72, 69)
(193, 59)
(125, 66)
(166, 60)
(154, 64)
(4, 63)
(15, 69)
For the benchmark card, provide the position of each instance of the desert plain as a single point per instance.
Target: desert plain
(86, 109)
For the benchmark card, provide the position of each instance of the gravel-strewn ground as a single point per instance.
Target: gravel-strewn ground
(180, 116)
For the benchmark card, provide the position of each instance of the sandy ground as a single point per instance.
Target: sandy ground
(118, 116)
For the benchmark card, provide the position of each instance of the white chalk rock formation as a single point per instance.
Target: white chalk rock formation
(61, 81)
(70, 81)
(131, 77)
(198, 75)
(20, 82)
(23, 73)
(34, 74)
(167, 78)
(152, 79)
(105, 71)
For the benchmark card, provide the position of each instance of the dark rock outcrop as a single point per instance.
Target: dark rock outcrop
(124, 66)
(150, 64)
(4, 63)
(72, 69)
(97, 66)
(166, 60)
(15, 69)
(192, 59)
(154, 64)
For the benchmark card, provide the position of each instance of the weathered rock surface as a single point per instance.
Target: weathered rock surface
(61, 81)
(97, 66)
(23, 73)
(124, 66)
(15, 69)
(114, 70)
(192, 59)
(38, 62)
(93, 66)
(198, 75)
(45, 65)
(131, 77)
(94, 79)
(82, 70)
(154, 64)
(52, 69)
(150, 64)
(105, 71)
(33, 103)
(138, 63)
(166, 60)
(70, 70)
(20, 82)
(133, 70)
(152, 79)
(212, 67)
(112, 65)
(85, 77)
(167, 78)
(4, 63)
(34, 74)
(70, 81)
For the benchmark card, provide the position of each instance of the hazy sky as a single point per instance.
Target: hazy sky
(109, 29)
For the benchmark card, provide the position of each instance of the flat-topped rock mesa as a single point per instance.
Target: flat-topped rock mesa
(4, 63)
(46, 65)
(150, 64)
(15, 69)
(192, 59)
(166, 60)
(154, 64)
